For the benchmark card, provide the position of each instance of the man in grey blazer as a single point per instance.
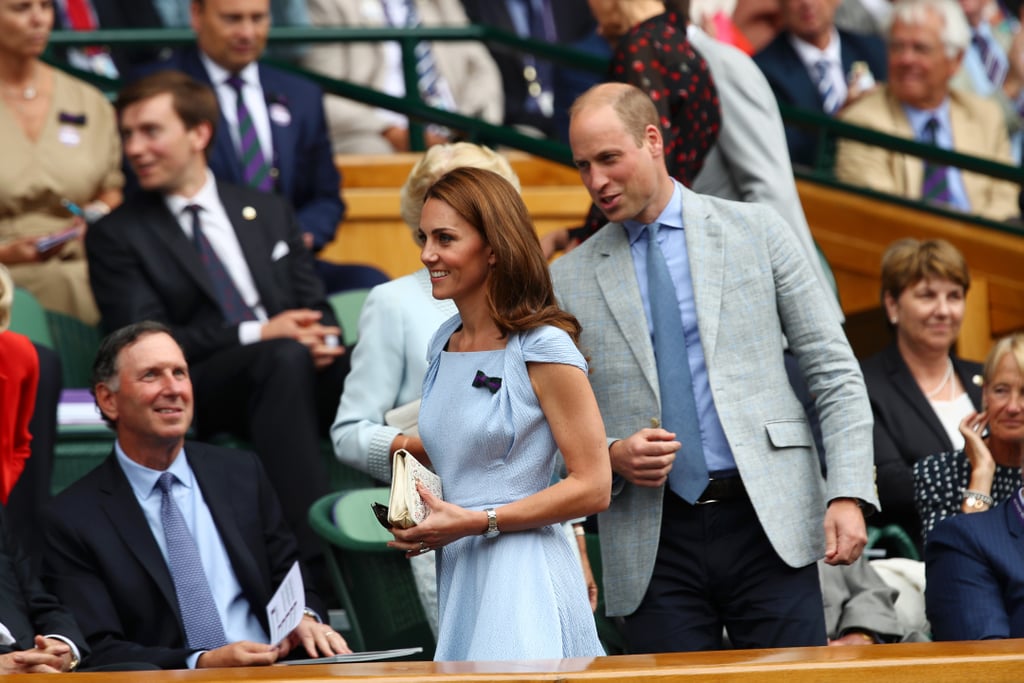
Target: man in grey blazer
(742, 554)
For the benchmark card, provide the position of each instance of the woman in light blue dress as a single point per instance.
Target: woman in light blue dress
(505, 390)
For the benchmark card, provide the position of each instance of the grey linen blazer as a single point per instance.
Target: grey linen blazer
(752, 284)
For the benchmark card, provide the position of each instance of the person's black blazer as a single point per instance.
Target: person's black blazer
(303, 158)
(104, 564)
(791, 83)
(142, 266)
(26, 609)
(906, 430)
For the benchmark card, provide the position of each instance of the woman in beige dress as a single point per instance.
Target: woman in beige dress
(61, 163)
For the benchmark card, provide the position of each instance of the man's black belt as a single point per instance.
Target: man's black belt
(720, 490)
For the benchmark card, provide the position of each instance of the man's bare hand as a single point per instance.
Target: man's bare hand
(303, 325)
(48, 656)
(845, 531)
(319, 640)
(242, 653)
(645, 458)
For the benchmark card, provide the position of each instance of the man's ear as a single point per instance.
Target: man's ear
(107, 401)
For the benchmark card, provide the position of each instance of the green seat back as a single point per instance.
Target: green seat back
(77, 344)
(374, 583)
(347, 306)
(29, 318)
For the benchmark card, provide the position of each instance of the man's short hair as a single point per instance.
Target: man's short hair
(955, 34)
(105, 368)
(194, 102)
(632, 105)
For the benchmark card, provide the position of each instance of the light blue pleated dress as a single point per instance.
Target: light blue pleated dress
(520, 595)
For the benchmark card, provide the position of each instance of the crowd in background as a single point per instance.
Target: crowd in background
(203, 199)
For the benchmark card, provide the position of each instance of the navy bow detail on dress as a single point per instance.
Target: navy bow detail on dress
(482, 380)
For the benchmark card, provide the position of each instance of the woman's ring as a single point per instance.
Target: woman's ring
(423, 547)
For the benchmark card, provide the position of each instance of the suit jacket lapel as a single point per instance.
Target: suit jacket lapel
(283, 136)
(616, 277)
(167, 228)
(250, 238)
(706, 252)
(906, 385)
(912, 171)
(120, 505)
(227, 505)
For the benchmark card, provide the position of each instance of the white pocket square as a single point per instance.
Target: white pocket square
(280, 251)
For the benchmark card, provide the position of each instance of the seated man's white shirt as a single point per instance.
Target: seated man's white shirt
(221, 234)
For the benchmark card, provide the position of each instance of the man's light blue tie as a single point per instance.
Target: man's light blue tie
(689, 475)
(829, 94)
(203, 628)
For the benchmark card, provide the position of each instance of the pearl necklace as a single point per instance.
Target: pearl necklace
(944, 382)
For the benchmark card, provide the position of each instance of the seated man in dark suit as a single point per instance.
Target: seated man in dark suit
(271, 134)
(225, 268)
(975, 572)
(810, 65)
(37, 635)
(168, 552)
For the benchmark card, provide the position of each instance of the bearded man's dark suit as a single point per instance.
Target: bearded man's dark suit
(142, 266)
(105, 565)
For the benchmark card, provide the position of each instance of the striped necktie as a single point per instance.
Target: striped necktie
(829, 95)
(231, 303)
(255, 169)
(991, 58)
(935, 187)
(199, 616)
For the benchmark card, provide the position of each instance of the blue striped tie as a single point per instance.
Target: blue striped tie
(689, 475)
(829, 95)
(995, 67)
(199, 616)
(255, 169)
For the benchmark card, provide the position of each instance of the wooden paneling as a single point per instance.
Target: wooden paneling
(854, 231)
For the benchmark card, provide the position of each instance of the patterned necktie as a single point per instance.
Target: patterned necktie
(935, 186)
(232, 305)
(689, 475)
(829, 95)
(255, 169)
(432, 89)
(991, 59)
(203, 628)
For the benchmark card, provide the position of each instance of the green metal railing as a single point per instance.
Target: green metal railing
(826, 128)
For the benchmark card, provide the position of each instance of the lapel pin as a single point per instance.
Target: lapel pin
(977, 380)
(249, 213)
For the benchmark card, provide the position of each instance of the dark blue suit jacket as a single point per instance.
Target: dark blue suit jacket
(105, 565)
(25, 608)
(975, 576)
(302, 151)
(791, 83)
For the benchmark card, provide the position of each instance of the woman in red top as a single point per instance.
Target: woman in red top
(19, 378)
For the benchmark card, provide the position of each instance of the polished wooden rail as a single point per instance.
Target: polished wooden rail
(988, 661)
(853, 232)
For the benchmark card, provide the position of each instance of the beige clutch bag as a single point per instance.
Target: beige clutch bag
(405, 506)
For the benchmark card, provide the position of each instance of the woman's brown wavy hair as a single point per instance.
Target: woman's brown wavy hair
(519, 292)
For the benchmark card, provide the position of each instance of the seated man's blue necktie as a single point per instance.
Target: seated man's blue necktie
(199, 616)
(689, 475)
